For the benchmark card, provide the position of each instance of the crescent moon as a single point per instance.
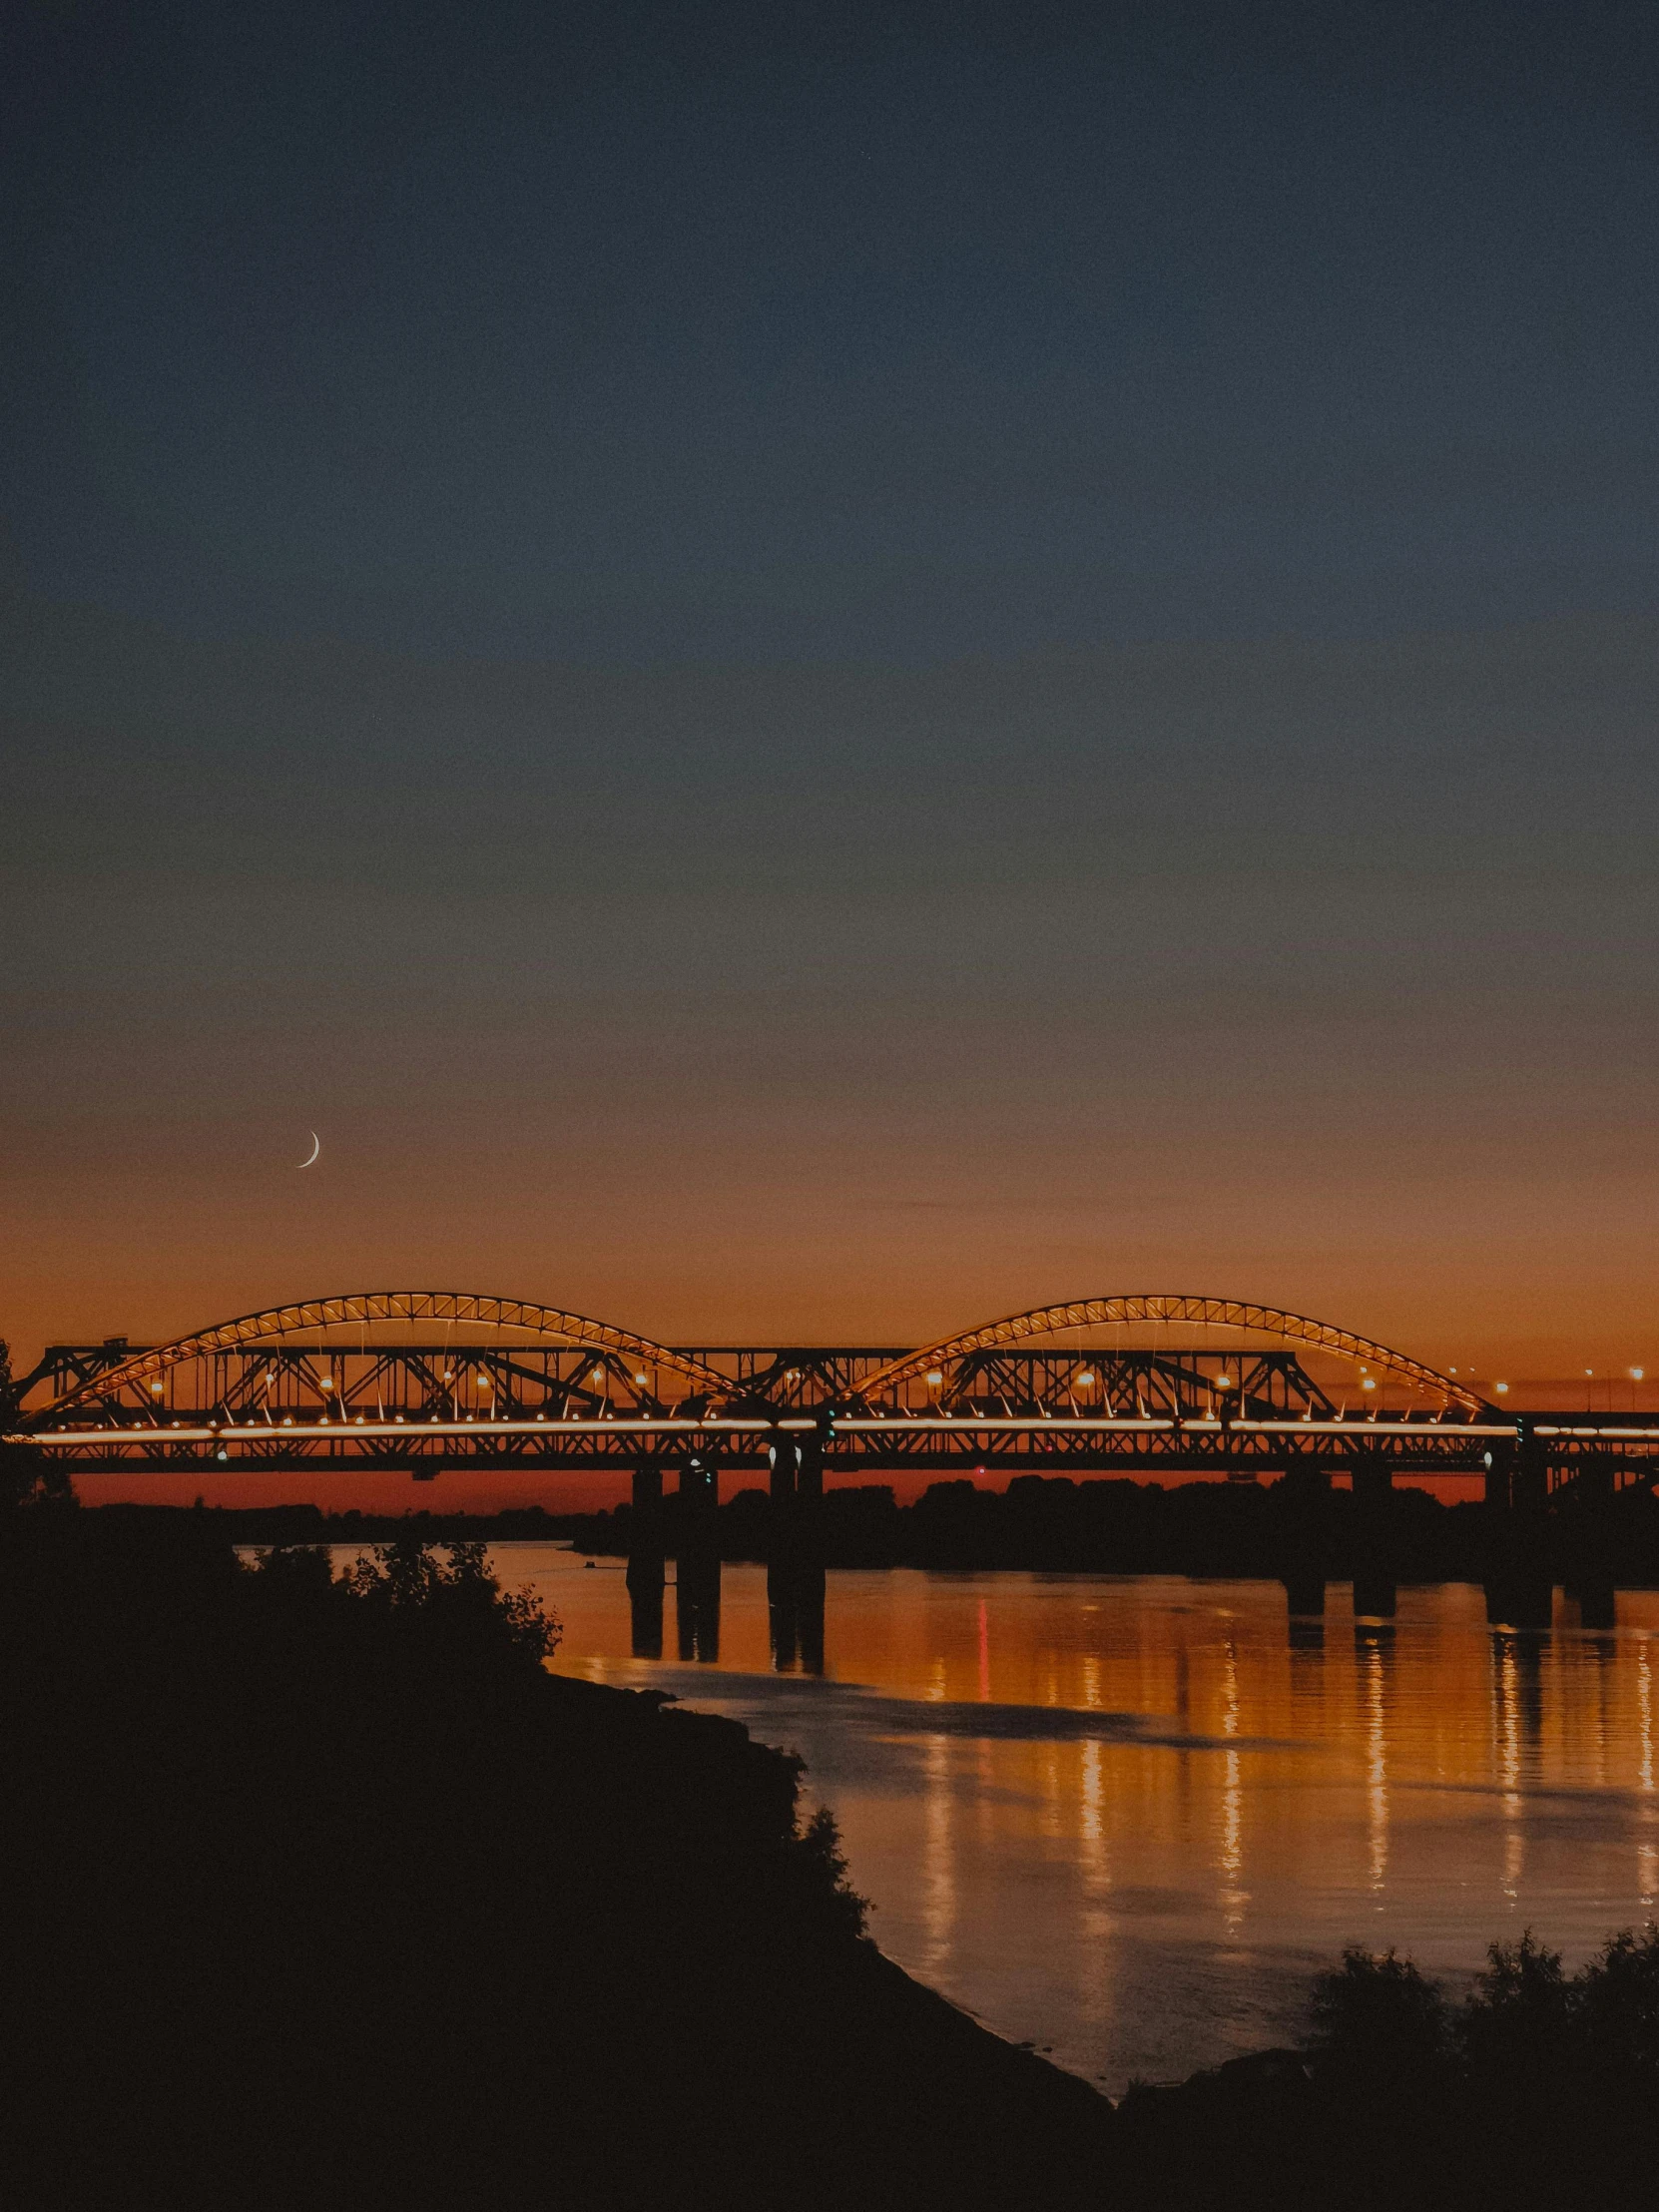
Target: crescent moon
(316, 1147)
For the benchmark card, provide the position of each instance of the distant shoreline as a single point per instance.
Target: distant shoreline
(1203, 1530)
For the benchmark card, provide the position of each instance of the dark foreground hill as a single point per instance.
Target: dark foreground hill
(324, 1895)
(327, 1893)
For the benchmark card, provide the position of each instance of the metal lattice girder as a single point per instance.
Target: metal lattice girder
(375, 1306)
(1178, 1308)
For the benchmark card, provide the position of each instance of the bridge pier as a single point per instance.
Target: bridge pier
(1519, 1583)
(1591, 1541)
(697, 1562)
(782, 1462)
(795, 1562)
(646, 1563)
(1305, 1495)
(1374, 1538)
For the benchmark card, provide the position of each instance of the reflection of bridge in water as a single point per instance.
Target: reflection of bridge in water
(435, 1382)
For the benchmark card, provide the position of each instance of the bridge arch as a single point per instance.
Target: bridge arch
(1181, 1308)
(373, 1305)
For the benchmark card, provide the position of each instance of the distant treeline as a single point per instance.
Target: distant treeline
(1129, 1527)
(1054, 1524)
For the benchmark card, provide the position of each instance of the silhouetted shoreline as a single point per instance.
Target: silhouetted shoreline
(325, 1892)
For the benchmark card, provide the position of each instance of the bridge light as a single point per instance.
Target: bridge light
(1224, 1381)
(641, 1381)
(1635, 1374)
(327, 1382)
(155, 1389)
(1085, 1378)
(935, 1377)
(1369, 1383)
(1500, 1387)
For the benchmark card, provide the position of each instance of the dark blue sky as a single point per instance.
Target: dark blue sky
(830, 670)
(777, 333)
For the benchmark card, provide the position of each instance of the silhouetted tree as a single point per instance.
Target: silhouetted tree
(1379, 2025)
(1516, 2028)
(1616, 2010)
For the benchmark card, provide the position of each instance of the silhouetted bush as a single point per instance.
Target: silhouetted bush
(1380, 2027)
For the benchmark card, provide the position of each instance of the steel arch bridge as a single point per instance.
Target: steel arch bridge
(428, 1381)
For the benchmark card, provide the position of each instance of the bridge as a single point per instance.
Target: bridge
(428, 1383)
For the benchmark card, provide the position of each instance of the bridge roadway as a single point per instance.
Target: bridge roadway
(429, 1382)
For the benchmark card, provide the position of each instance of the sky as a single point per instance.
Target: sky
(813, 674)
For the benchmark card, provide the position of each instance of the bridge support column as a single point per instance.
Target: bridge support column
(783, 1460)
(644, 1563)
(1520, 1585)
(795, 1560)
(1501, 1468)
(1304, 1495)
(1374, 1538)
(697, 1562)
(1591, 1541)
(809, 1482)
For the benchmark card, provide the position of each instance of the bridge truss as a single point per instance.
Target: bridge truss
(425, 1383)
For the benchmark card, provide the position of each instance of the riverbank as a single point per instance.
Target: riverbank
(329, 1894)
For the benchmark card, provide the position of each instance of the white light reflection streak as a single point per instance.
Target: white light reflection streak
(1233, 1898)
(1094, 1957)
(1377, 1767)
(938, 1868)
(1647, 1854)
(1507, 1728)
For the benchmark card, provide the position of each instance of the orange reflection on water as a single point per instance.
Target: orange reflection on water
(1128, 1819)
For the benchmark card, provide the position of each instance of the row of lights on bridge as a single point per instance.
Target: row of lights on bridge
(934, 1379)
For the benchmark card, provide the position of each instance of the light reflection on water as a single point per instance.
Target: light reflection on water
(1127, 1819)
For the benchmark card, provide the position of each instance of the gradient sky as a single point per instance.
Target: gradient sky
(816, 673)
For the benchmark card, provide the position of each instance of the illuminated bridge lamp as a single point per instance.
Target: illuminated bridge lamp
(1635, 1374)
(640, 1380)
(1367, 1383)
(934, 1379)
(155, 1389)
(1500, 1387)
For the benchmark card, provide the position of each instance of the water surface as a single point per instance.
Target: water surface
(1126, 1819)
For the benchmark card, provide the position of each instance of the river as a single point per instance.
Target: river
(1126, 1819)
